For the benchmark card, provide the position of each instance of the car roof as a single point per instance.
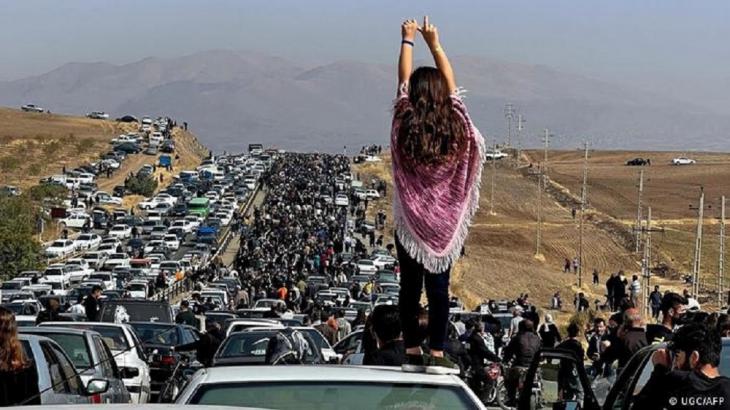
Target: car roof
(51, 329)
(321, 373)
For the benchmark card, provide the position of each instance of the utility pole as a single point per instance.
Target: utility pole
(638, 212)
(494, 174)
(583, 198)
(520, 128)
(509, 114)
(546, 141)
(697, 263)
(538, 236)
(646, 260)
(721, 268)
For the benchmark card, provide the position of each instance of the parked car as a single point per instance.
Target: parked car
(683, 161)
(32, 108)
(491, 154)
(98, 115)
(58, 380)
(638, 162)
(92, 358)
(127, 352)
(75, 221)
(87, 241)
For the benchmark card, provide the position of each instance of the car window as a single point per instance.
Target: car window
(106, 361)
(246, 345)
(75, 385)
(327, 394)
(75, 347)
(58, 382)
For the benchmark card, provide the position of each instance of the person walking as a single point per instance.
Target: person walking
(438, 156)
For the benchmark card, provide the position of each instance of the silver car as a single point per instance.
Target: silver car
(91, 357)
(58, 381)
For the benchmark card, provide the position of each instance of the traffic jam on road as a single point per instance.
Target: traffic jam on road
(277, 260)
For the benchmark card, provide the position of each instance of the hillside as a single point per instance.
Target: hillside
(284, 103)
(36, 145)
(500, 257)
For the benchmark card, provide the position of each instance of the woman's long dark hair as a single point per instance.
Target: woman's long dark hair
(12, 357)
(430, 131)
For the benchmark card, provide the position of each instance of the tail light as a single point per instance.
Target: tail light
(168, 360)
(96, 398)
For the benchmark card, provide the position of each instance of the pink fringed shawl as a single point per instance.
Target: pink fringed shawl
(433, 205)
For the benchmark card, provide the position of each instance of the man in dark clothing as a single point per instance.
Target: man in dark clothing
(600, 335)
(696, 383)
(185, 317)
(387, 329)
(673, 307)
(655, 301)
(51, 314)
(581, 303)
(521, 349)
(629, 339)
(569, 386)
(206, 346)
(92, 304)
(479, 352)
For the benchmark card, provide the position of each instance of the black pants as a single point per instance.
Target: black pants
(412, 278)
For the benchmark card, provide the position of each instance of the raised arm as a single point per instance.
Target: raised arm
(431, 37)
(405, 61)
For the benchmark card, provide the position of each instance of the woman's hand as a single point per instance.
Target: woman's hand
(408, 30)
(430, 34)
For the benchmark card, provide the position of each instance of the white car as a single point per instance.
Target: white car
(60, 248)
(381, 261)
(372, 194)
(32, 108)
(342, 200)
(104, 198)
(225, 217)
(57, 272)
(171, 242)
(126, 348)
(79, 269)
(111, 163)
(138, 289)
(683, 161)
(106, 279)
(151, 245)
(366, 266)
(495, 154)
(98, 115)
(167, 198)
(390, 387)
(107, 249)
(116, 259)
(87, 241)
(372, 158)
(120, 231)
(194, 221)
(94, 259)
(75, 220)
(59, 285)
(184, 224)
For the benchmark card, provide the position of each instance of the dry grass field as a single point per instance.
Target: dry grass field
(500, 259)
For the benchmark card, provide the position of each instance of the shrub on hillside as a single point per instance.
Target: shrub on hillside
(19, 248)
(141, 185)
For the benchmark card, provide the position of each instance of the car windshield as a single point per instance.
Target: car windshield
(138, 312)
(113, 336)
(246, 344)
(330, 394)
(100, 276)
(137, 287)
(11, 285)
(154, 333)
(317, 337)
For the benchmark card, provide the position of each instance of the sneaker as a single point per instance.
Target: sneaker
(441, 365)
(414, 364)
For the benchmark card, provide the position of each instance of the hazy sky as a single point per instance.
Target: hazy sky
(677, 47)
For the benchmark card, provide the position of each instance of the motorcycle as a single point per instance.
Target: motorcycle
(488, 386)
(536, 397)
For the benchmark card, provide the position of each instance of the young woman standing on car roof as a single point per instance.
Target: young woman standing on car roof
(437, 164)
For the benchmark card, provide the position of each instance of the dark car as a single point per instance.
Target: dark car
(178, 210)
(158, 339)
(119, 190)
(128, 147)
(168, 146)
(138, 311)
(244, 348)
(638, 162)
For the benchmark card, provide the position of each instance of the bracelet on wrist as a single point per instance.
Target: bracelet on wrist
(437, 49)
(409, 42)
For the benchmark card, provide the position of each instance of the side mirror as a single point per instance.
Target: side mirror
(129, 372)
(97, 386)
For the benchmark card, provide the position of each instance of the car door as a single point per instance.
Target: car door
(66, 383)
(117, 392)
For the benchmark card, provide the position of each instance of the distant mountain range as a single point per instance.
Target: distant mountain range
(232, 98)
